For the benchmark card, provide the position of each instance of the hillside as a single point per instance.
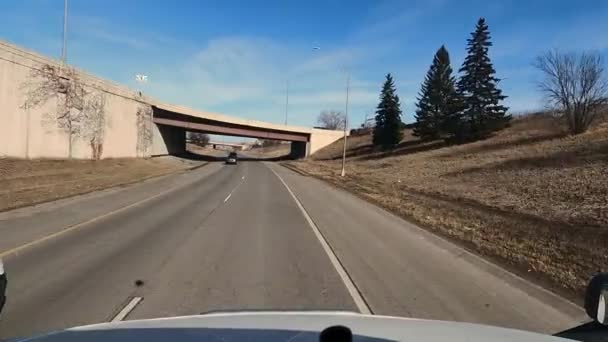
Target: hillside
(531, 196)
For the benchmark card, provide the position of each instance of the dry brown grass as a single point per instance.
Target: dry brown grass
(531, 195)
(27, 182)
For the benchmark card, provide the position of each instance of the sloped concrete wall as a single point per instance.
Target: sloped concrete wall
(320, 138)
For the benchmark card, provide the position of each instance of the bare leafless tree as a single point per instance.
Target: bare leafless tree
(64, 85)
(268, 143)
(198, 138)
(575, 84)
(331, 119)
(94, 117)
(144, 129)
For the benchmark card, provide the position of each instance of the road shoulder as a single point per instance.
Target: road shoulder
(403, 250)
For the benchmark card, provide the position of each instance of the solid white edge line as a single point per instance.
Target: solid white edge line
(227, 198)
(127, 309)
(350, 286)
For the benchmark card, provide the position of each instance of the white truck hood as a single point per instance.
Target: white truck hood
(288, 326)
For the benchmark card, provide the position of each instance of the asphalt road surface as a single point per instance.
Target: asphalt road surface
(251, 236)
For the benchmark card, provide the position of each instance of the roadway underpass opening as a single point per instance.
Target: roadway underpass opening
(219, 147)
(168, 140)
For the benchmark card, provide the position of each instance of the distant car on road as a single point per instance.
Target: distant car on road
(232, 158)
(3, 282)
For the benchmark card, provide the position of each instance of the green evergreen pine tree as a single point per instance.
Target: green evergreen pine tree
(439, 104)
(387, 132)
(427, 124)
(482, 114)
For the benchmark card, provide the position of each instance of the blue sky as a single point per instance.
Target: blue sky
(234, 57)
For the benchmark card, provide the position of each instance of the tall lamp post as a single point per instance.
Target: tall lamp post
(345, 126)
(343, 172)
(286, 100)
(64, 51)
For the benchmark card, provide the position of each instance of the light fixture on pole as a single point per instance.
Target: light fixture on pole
(141, 80)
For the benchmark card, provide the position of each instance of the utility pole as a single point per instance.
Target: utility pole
(65, 32)
(345, 126)
(316, 48)
(286, 100)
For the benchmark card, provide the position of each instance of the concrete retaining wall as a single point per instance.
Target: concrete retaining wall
(33, 133)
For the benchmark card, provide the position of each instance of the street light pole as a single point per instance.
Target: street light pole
(345, 126)
(343, 172)
(286, 99)
(65, 32)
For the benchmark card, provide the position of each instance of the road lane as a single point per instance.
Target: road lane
(255, 252)
(403, 270)
(85, 275)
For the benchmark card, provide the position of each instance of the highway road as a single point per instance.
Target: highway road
(251, 236)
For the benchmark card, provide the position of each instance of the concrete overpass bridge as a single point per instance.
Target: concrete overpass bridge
(135, 125)
(173, 122)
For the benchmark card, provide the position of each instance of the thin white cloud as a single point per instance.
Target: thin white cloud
(246, 76)
(99, 30)
(336, 99)
(109, 37)
(390, 18)
(585, 32)
(226, 70)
